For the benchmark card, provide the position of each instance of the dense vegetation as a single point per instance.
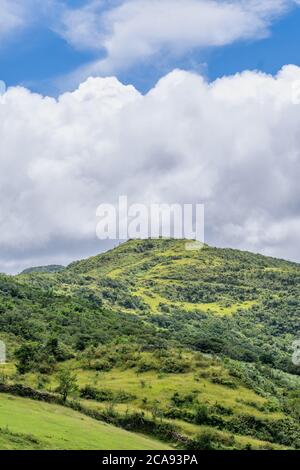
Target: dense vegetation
(155, 333)
(52, 268)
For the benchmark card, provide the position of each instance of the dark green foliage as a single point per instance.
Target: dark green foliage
(27, 392)
(205, 441)
(285, 432)
(27, 356)
(210, 440)
(202, 415)
(103, 395)
(180, 400)
(35, 356)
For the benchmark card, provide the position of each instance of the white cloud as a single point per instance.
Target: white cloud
(130, 31)
(233, 144)
(16, 15)
(12, 16)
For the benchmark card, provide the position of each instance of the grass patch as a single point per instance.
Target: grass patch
(31, 424)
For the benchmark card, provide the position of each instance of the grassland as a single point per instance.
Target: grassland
(27, 424)
(150, 393)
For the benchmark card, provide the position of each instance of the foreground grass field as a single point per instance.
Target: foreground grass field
(26, 424)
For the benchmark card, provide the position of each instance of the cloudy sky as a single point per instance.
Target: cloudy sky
(163, 100)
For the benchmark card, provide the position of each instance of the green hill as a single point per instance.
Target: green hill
(26, 424)
(200, 340)
(216, 300)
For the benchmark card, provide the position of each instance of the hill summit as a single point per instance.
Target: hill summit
(52, 268)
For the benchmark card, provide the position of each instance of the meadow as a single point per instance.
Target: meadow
(27, 424)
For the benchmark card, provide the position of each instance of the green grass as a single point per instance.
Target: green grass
(26, 424)
(162, 387)
(150, 388)
(154, 301)
(156, 386)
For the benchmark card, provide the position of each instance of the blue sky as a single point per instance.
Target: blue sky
(267, 55)
(39, 57)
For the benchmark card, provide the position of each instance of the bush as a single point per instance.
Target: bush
(201, 415)
(102, 395)
(174, 366)
(210, 440)
(204, 441)
(145, 365)
(224, 381)
(180, 400)
(101, 365)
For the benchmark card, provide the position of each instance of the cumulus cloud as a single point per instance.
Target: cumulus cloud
(130, 31)
(233, 144)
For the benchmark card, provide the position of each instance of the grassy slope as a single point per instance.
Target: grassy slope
(243, 278)
(26, 424)
(158, 389)
(256, 298)
(258, 295)
(163, 274)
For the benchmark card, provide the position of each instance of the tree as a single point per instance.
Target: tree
(67, 383)
(26, 355)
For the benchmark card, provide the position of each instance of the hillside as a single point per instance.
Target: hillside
(201, 340)
(26, 424)
(216, 300)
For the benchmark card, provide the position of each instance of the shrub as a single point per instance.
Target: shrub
(224, 381)
(145, 365)
(102, 395)
(174, 366)
(204, 441)
(101, 365)
(210, 440)
(201, 415)
(180, 400)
